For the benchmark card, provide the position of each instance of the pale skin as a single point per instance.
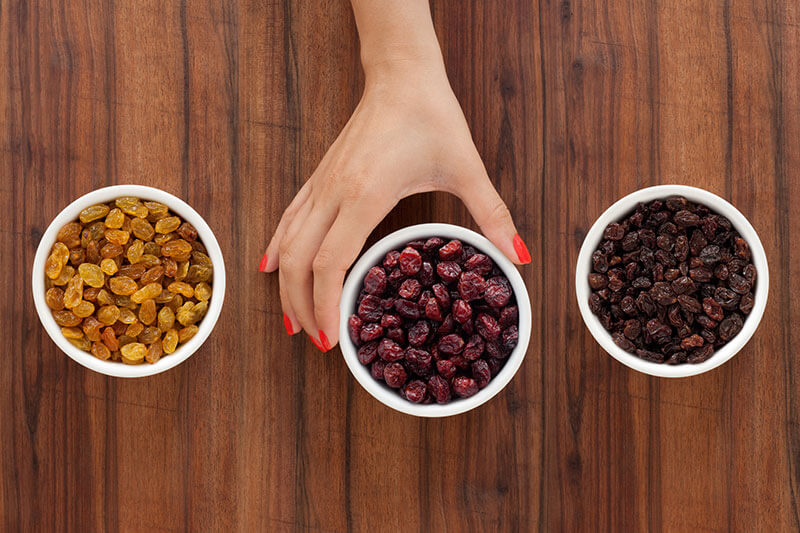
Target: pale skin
(407, 135)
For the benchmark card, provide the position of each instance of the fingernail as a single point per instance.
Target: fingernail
(324, 339)
(316, 343)
(263, 265)
(522, 250)
(287, 324)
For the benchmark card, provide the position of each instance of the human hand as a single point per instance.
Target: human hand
(407, 135)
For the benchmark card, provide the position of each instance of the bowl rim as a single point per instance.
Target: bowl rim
(104, 195)
(373, 256)
(620, 209)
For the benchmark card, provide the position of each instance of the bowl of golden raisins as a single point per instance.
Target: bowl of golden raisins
(128, 280)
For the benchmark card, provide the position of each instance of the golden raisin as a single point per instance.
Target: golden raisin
(147, 312)
(151, 248)
(202, 291)
(91, 275)
(74, 292)
(56, 261)
(152, 275)
(134, 329)
(132, 206)
(149, 291)
(70, 234)
(108, 314)
(66, 274)
(119, 328)
(149, 261)
(111, 250)
(122, 285)
(93, 252)
(124, 339)
(156, 208)
(150, 335)
(142, 229)
(184, 315)
(72, 333)
(77, 256)
(104, 298)
(83, 343)
(83, 309)
(170, 341)
(117, 236)
(134, 351)
(170, 267)
(187, 333)
(183, 269)
(91, 328)
(108, 266)
(182, 288)
(176, 248)
(166, 319)
(66, 318)
(164, 297)
(54, 298)
(127, 316)
(168, 224)
(93, 213)
(90, 294)
(135, 251)
(109, 338)
(132, 271)
(114, 219)
(100, 351)
(163, 238)
(198, 273)
(154, 352)
(199, 258)
(187, 231)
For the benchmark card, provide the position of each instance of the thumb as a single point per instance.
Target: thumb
(492, 215)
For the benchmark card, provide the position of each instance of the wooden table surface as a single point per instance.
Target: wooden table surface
(231, 104)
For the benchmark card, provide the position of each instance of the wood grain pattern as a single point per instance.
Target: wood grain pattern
(231, 104)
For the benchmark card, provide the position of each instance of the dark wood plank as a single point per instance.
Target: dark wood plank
(230, 105)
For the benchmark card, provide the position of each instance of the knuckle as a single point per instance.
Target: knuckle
(326, 259)
(498, 211)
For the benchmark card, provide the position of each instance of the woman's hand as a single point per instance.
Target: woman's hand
(406, 136)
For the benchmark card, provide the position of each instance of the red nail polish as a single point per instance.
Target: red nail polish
(287, 324)
(316, 343)
(522, 250)
(324, 339)
(263, 265)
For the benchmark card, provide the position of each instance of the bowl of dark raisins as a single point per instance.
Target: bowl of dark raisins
(435, 320)
(128, 280)
(672, 280)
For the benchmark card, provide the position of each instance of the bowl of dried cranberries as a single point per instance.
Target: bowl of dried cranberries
(672, 280)
(435, 320)
(128, 280)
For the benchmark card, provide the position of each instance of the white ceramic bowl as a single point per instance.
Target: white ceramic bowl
(116, 368)
(374, 256)
(617, 212)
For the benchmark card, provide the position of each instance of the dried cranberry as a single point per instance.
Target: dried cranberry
(390, 260)
(389, 350)
(447, 326)
(446, 368)
(464, 387)
(432, 244)
(375, 281)
(407, 309)
(614, 232)
(370, 309)
(439, 389)
(462, 312)
(451, 251)
(390, 321)
(510, 338)
(481, 373)
(395, 375)
(409, 261)
(377, 369)
(415, 391)
(371, 331)
(498, 292)
(479, 263)
(474, 348)
(487, 327)
(366, 353)
(426, 276)
(471, 286)
(419, 361)
(449, 271)
(451, 344)
(398, 335)
(354, 324)
(508, 316)
(410, 289)
(418, 333)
